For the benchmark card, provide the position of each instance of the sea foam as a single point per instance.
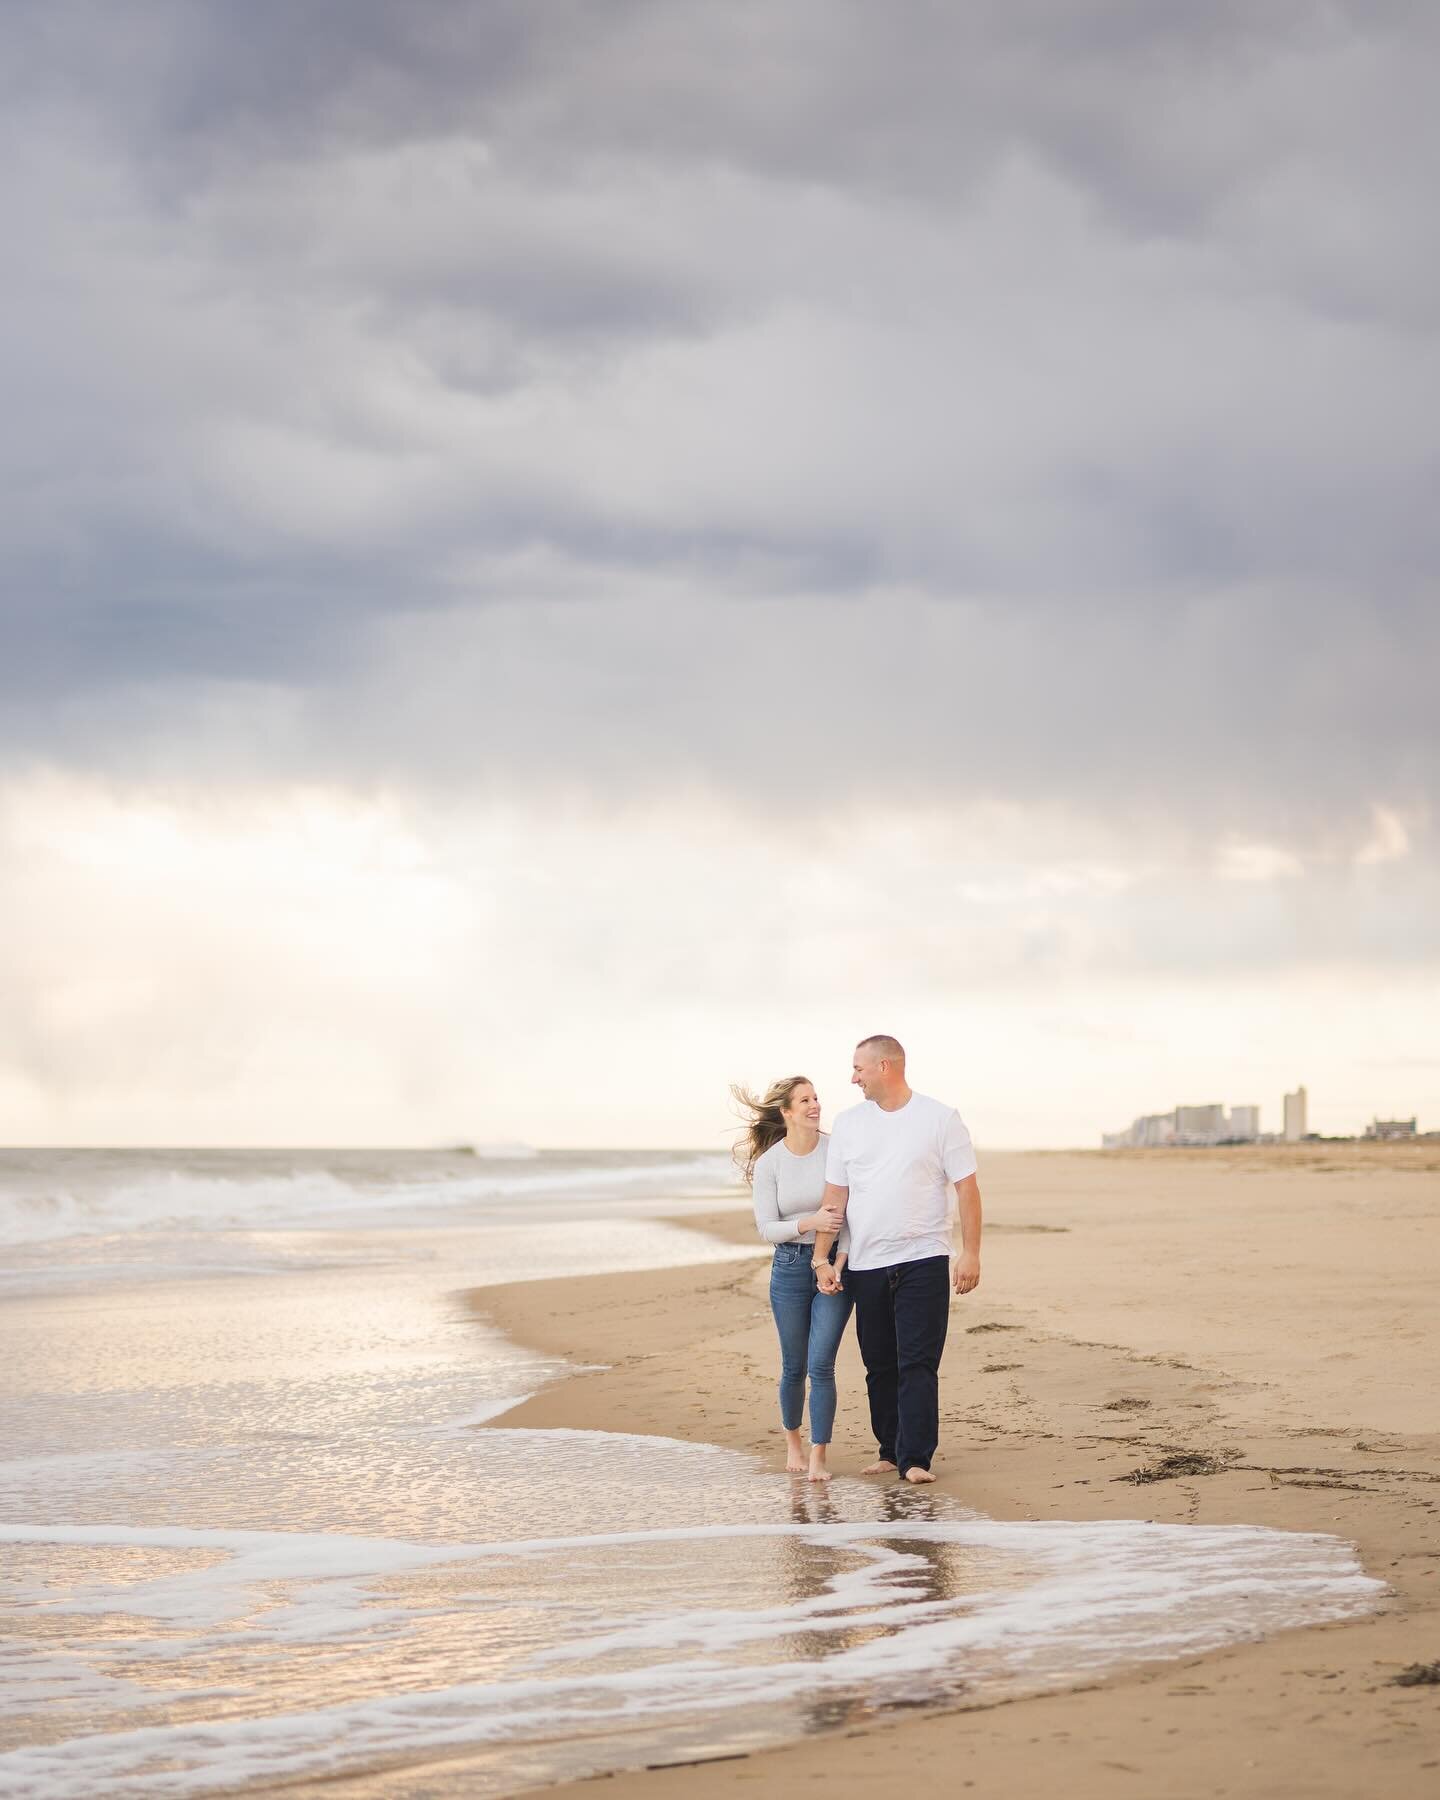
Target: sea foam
(598, 1644)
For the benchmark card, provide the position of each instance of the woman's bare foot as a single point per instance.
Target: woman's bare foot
(794, 1454)
(879, 1468)
(918, 1474)
(818, 1471)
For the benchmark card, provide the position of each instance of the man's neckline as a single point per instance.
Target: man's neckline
(890, 1111)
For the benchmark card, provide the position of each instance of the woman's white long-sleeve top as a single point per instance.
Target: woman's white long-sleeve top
(787, 1188)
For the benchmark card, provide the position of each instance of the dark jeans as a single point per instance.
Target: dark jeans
(900, 1318)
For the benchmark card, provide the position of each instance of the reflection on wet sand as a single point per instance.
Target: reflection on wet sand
(938, 1573)
(808, 1572)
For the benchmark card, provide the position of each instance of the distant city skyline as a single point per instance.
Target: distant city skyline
(1212, 1124)
(1188, 1125)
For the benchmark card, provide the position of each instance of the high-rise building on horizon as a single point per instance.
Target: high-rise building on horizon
(1200, 1124)
(1149, 1132)
(1192, 1125)
(1392, 1130)
(1244, 1124)
(1296, 1124)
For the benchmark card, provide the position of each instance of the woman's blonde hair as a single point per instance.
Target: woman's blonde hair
(765, 1119)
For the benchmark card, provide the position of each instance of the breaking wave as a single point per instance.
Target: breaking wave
(44, 1205)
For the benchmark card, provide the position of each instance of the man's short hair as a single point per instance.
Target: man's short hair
(887, 1049)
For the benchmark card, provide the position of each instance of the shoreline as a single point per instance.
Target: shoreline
(1041, 1422)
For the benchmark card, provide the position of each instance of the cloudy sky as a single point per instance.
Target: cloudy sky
(559, 556)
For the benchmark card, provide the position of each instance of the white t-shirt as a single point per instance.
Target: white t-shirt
(899, 1167)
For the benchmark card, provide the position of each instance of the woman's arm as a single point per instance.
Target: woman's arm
(771, 1223)
(768, 1222)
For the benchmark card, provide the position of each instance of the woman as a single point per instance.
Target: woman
(783, 1156)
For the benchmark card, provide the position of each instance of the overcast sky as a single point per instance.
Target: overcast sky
(558, 556)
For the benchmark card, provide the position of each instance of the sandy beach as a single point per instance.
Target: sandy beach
(276, 1517)
(1190, 1337)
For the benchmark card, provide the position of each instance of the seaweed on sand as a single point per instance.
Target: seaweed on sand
(1169, 1468)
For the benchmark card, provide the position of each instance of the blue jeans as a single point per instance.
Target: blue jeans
(811, 1325)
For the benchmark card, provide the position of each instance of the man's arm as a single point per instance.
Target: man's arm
(967, 1264)
(836, 1199)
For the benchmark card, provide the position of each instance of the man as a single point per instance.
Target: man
(890, 1168)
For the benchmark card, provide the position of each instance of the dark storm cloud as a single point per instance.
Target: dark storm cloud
(516, 383)
(914, 97)
(1247, 719)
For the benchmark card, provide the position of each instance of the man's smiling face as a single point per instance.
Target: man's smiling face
(866, 1072)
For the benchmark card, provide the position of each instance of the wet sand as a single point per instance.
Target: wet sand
(1270, 1316)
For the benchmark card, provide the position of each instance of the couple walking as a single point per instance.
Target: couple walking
(862, 1219)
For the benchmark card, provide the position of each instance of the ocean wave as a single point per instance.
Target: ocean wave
(187, 1200)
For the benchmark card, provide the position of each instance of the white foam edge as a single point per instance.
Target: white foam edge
(473, 1714)
(254, 1557)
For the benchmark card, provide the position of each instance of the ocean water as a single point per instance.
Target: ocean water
(254, 1524)
(73, 1218)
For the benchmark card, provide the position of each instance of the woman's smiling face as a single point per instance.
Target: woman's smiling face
(804, 1108)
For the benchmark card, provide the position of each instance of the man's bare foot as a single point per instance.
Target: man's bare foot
(879, 1468)
(918, 1475)
(794, 1454)
(818, 1471)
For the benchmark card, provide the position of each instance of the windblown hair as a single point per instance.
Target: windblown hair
(765, 1121)
(888, 1049)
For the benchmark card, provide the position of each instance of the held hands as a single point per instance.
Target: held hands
(825, 1224)
(966, 1273)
